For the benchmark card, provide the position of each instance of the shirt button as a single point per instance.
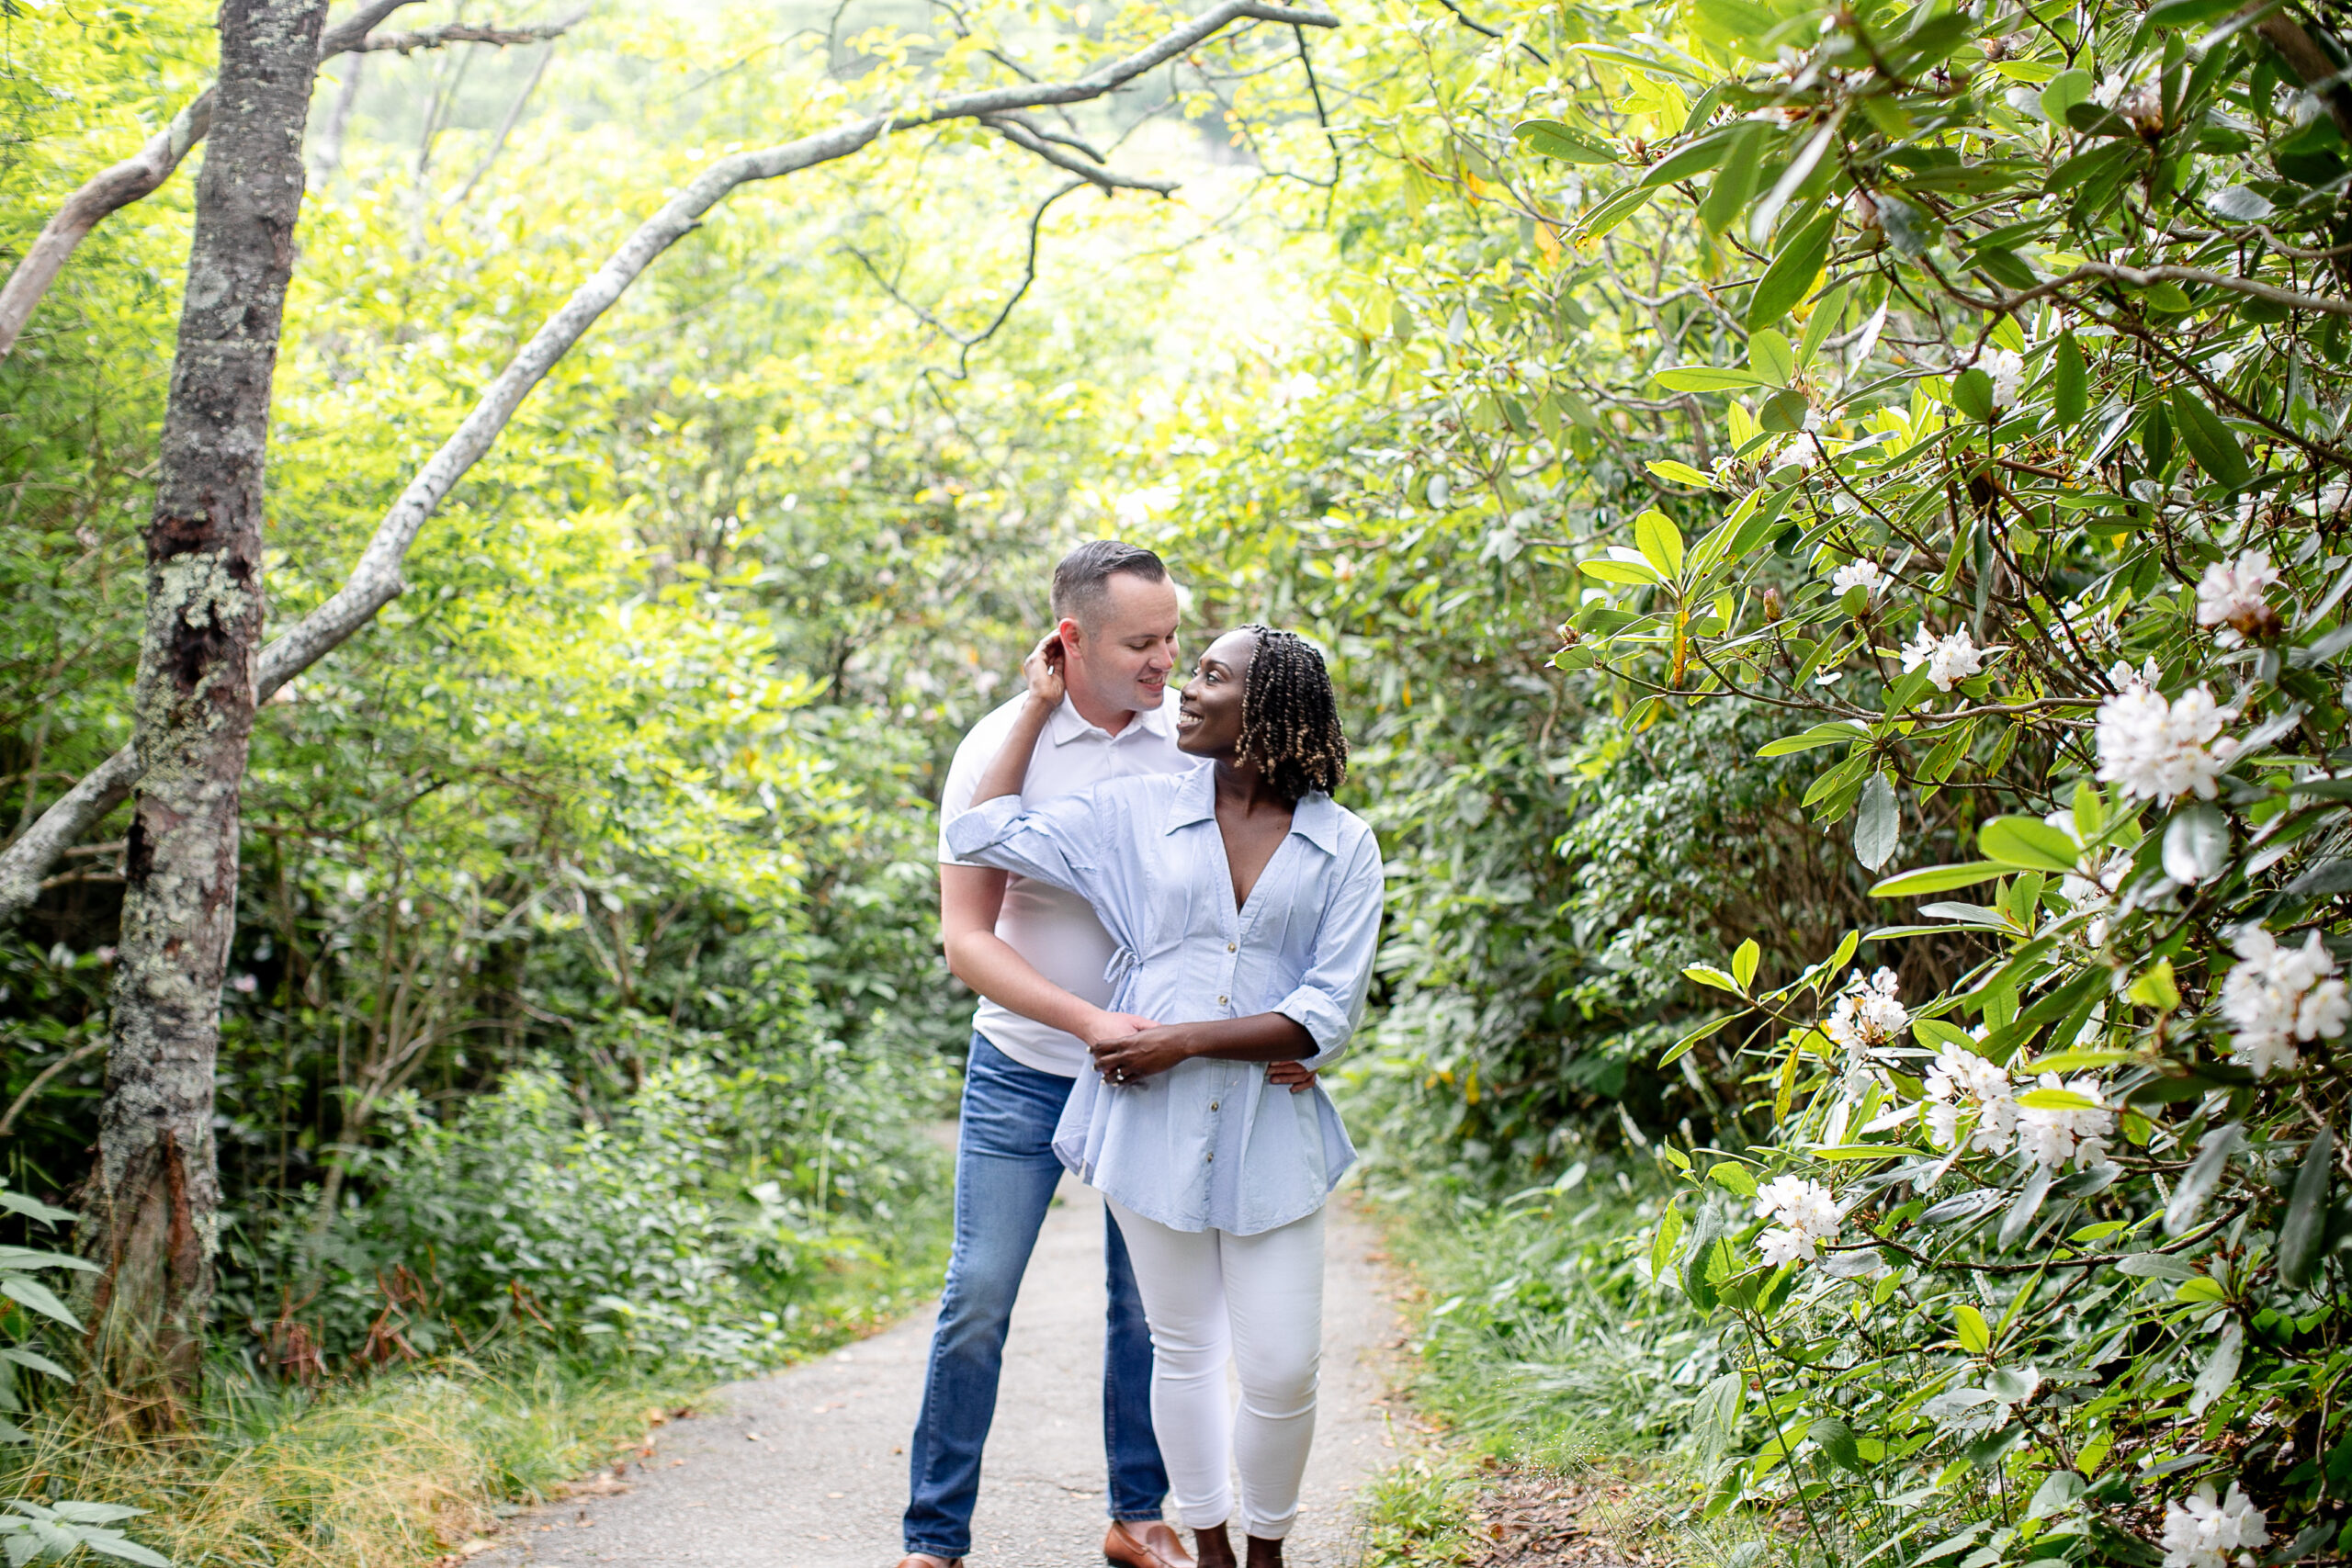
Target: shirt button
(1211, 1105)
(1229, 947)
(1220, 1000)
(1209, 1158)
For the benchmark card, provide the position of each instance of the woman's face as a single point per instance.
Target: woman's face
(1208, 711)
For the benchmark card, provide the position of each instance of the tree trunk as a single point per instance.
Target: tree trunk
(150, 1206)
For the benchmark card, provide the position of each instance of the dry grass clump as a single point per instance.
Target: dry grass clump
(389, 1473)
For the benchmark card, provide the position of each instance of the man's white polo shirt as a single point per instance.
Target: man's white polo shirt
(1056, 931)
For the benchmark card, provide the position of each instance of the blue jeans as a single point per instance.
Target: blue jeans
(1005, 1176)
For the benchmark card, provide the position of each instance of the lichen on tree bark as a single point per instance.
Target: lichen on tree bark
(150, 1206)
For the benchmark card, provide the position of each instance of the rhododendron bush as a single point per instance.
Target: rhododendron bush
(2013, 476)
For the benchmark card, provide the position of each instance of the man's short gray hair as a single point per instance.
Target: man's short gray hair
(1082, 579)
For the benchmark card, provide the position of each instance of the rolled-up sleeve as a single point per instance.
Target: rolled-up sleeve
(1328, 1001)
(1055, 842)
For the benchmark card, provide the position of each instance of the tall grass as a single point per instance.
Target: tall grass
(399, 1469)
(1542, 1346)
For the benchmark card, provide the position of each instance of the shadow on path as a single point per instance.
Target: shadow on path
(808, 1469)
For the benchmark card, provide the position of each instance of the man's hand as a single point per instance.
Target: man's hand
(1106, 1025)
(1140, 1054)
(1043, 669)
(1297, 1077)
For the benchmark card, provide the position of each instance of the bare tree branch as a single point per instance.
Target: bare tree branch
(1467, 20)
(141, 175)
(1051, 150)
(505, 127)
(967, 342)
(466, 32)
(375, 581)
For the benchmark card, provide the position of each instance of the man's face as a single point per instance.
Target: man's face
(1121, 662)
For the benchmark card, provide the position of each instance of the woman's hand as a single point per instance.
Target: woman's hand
(1042, 671)
(1140, 1054)
(1297, 1077)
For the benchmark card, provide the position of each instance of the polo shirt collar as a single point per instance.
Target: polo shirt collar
(1068, 724)
(1315, 818)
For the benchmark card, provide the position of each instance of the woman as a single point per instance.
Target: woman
(1247, 907)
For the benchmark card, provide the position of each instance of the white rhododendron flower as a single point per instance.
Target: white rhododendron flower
(2053, 1138)
(1867, 1013)
(2231, 596)
(2163, 751)
(1949, 660)
(2007, 367)
(2202, 1533)
(1804, 1215)
(2276, 997)
(1962, 1082)
(2092, 890)
(1863, 574)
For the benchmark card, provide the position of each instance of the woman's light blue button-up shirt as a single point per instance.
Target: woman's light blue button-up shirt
(1207, 1145)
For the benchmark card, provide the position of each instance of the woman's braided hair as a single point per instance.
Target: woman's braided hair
(1290, 721)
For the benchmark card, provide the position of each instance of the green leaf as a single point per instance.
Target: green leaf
(1707, 974)
(1835, 733)
(2156, 989)
(1677, 473)
(1660, 542)
(112, 1545)
(1968, 1327)
(1707, 378)
(39, 1297)
(1618, 571)
(1972, 394)
(1736, 182)
(1790, 277)
(2189, 13)
(1835, 1438)
(1936, 1033)
(1600, 219)
(1731, 1175)
(1938, 879)
(1770, 355)
(34, 1360)
(2213, 444)
(1553, 140)
(2065, 90)
(2221, 1368)
(1877, 823)
(2072, 380)
(2026, 842)
(1744, 962)
(2203, 1175)
(1696, 159)
(2305, 1226)
(1670, 1230)
(2057, 1099)
(34, 1209)
(1821, 323)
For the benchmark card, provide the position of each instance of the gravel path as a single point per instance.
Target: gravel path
(808, 1469)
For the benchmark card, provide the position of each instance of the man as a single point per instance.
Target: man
(1037, 955)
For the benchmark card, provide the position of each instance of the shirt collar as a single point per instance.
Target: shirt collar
(1068, 724)
(1315, 818)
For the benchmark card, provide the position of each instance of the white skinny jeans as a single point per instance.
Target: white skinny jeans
(1211, 1296)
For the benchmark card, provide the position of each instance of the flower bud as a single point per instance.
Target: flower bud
(1773, 611)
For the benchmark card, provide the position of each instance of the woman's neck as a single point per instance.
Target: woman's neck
(1242, 784)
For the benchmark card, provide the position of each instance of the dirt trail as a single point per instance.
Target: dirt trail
(808, 1469)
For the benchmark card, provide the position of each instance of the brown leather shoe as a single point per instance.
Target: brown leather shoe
(1145, 1544)
(925, 1559)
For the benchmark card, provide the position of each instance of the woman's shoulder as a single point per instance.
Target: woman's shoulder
(1347, 830)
